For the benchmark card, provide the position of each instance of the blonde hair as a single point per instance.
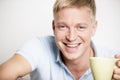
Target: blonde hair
(60, 4)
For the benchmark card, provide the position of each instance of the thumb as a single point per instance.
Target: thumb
(117, 56)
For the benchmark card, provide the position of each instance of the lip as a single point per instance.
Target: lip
(71, 45)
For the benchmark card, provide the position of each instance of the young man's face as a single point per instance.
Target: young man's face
(73, 29)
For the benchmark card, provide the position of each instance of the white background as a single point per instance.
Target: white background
(21, 20)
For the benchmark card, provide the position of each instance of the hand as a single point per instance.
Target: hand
(116, 73)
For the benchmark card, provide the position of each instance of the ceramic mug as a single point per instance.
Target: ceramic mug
(102, 67)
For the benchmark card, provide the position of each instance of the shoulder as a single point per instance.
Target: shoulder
(46, 39)
(39, 41)
(37, 50)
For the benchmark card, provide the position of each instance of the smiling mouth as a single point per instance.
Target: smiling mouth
(72, 45)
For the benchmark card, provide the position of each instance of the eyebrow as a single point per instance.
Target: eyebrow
(82, 23)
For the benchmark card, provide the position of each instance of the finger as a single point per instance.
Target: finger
(117, 71)
(118, 63)
(116, 77)
(117, 56)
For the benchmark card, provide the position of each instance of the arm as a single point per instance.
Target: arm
(16, 67)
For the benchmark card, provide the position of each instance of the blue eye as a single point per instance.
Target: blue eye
(81, 27)
(62, 27)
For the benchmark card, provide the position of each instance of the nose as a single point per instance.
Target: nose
(71, 35)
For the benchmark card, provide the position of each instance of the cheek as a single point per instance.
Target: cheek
(86, 36)
(58, 35)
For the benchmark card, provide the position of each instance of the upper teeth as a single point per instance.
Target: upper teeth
(72, 45)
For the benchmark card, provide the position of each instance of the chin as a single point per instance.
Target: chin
(72, 56)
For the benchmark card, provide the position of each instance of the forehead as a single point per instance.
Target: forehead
(73, 14)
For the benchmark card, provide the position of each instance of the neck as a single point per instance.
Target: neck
(81, 61)
(79, 66)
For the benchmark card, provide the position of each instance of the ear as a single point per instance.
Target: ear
(94, 28)
(53, 26)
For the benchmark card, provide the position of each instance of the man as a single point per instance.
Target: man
(64, 56)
